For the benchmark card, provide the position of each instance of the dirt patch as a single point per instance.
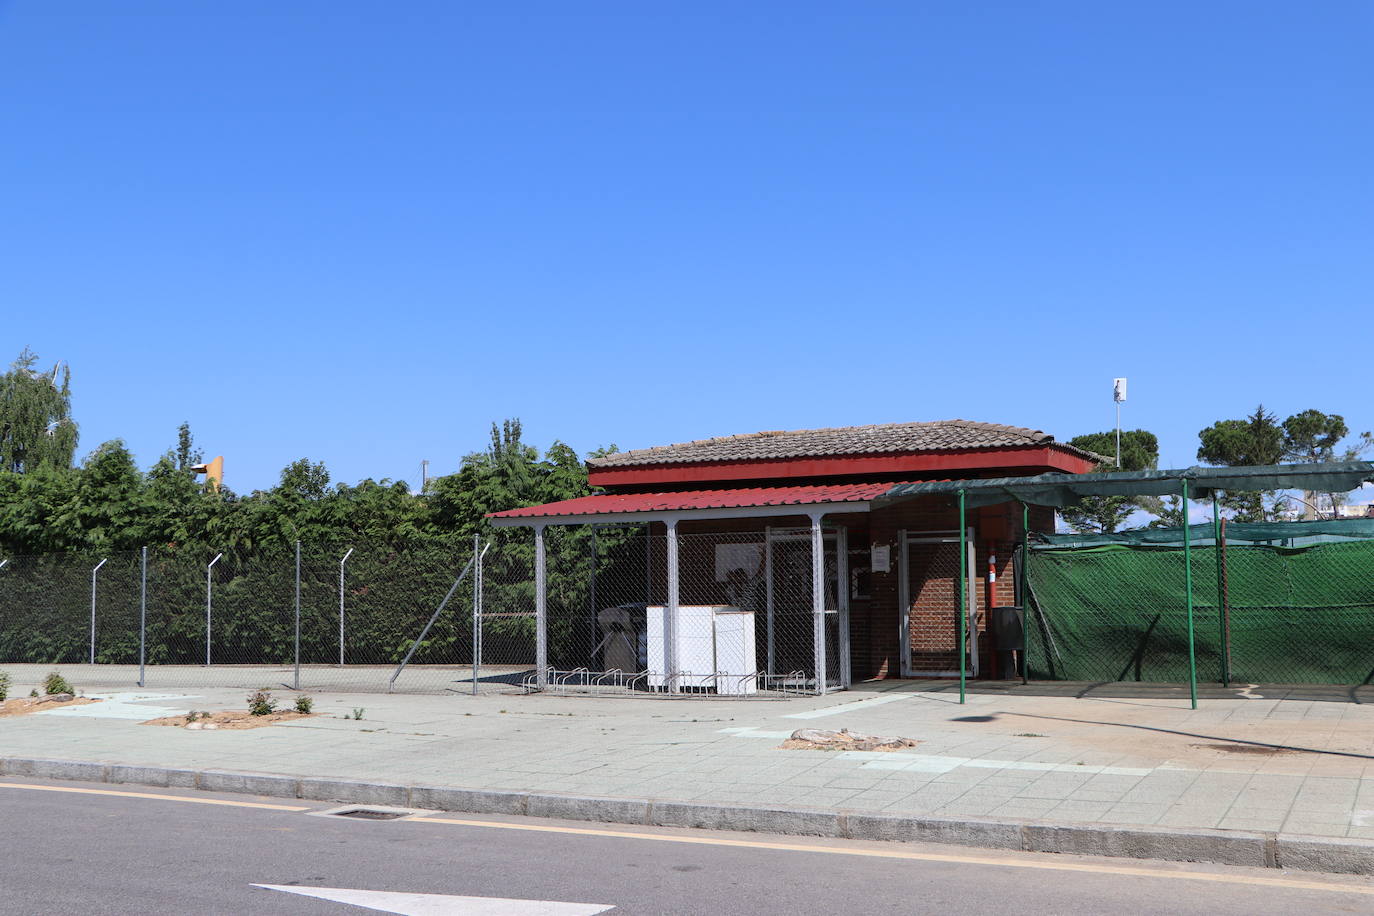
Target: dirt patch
(1254, 749)
(228, 719)
(815, 739)
(22, 706)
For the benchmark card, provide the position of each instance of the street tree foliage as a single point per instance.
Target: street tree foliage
(36, 428)
(107, 503)
(1260, 439)
(1139, 452)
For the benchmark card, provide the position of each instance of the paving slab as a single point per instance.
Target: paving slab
(1292, 762)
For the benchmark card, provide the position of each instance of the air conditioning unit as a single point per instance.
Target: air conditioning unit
(715, 648)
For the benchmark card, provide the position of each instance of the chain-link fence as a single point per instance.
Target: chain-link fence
(360, 617)
(1262, 612)
(432, 616)
(745, 623)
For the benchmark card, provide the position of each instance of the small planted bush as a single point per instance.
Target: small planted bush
(304, 704)
(4, 686)
(56, 683)
(261, 702)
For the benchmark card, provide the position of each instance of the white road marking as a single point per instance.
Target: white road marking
(441, 904)
(748, 731)
(123, 706)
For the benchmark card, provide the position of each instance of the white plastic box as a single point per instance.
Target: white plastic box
(711, 640)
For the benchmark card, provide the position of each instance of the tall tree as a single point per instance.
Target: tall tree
(187, 455)
(1312, 436)
(36, 428)
(1139, 452)
(1256, 440)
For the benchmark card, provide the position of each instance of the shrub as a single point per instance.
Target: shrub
(4, 685)
(261, 702)
(56, 683)
(304, 704)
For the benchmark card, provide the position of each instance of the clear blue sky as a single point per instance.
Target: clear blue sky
(361, 231)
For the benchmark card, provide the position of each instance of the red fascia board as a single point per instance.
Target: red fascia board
(1038, 459)
(619, 504)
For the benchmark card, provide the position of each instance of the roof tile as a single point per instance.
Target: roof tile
(886, 438)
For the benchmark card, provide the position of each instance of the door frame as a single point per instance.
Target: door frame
(904, 540)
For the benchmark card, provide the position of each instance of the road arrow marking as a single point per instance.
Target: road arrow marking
(441, 904)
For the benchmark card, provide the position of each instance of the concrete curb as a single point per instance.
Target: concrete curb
(1221, 847)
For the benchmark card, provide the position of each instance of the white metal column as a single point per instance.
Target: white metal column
(818, 599)
(541, 613)
(768, 574)
(670, 658)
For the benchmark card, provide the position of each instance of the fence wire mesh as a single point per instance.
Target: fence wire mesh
(745, 623)
(1261, 613)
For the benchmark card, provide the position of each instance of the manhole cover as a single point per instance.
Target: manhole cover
(370, 814)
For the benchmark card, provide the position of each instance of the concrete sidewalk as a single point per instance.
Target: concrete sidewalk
(1295, 762)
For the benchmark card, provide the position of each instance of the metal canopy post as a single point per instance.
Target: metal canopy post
(1188, 589)
(818, 600)
(670, 659)
(341, 605)
(142, 615)
(209, 573)
(541, 613)
(963, 583)
(93, 572)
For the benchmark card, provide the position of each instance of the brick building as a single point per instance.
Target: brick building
(772, 509)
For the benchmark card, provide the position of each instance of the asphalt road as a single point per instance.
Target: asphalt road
(73, 848)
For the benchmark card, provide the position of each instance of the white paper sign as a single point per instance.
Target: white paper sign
(881, 557)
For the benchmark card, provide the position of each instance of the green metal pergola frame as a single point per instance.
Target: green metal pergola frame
(1061, 490)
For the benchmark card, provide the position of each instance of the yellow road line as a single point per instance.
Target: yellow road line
(176, 798)
(965, 859)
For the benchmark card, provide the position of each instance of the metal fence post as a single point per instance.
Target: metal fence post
(1221, 589)
(541, 613)
(476, 612)
(209, 573)
(93, 572)
(297, 683)
(341, 605)
(142, 615)
(1188, 590)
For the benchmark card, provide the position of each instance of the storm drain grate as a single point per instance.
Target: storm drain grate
(370, 814)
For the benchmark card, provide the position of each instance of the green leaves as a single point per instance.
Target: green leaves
(108, 504)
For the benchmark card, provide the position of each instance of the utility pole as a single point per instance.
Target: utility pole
(1118, 395)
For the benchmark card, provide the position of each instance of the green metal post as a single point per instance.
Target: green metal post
(963, 582)
(1025, 593)
(1221, 598)
(1188, 588)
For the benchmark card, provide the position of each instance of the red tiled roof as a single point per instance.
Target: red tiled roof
(887, 438)
(609, 503)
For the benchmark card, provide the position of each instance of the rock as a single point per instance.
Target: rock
(194, 725)
(846, 740)
(57, 698)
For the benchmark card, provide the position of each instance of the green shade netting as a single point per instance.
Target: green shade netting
(1119, 613)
